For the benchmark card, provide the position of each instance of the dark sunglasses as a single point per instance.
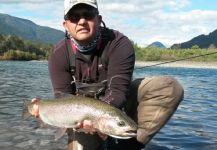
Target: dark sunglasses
(76, 16)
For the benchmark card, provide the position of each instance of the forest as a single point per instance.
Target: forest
(15, 48)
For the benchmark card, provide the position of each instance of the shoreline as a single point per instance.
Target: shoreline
(177, 64)
(180, 64)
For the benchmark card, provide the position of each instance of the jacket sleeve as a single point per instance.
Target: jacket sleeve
(120, 69)
(59, 70)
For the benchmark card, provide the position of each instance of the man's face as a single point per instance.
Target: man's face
(82, 22)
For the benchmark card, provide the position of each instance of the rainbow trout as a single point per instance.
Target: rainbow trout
(69, 111)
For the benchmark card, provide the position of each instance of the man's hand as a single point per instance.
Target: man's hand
(87, 127)
(35, 108)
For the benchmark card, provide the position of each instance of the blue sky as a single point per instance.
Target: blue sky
(203, 4)
(143, 21)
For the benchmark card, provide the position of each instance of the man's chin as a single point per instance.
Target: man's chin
(83, 39)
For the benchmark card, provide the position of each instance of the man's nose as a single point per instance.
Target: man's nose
(82, 20)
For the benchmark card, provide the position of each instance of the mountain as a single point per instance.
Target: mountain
(203, 41)
(157, 44)
(28, 30)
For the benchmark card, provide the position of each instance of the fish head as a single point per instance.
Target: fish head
(118, 126)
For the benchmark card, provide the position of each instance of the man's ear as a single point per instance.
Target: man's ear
(65, 25)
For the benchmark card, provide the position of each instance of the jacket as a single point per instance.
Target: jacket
(117, 71)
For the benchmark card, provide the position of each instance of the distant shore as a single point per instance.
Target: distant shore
(183, 64)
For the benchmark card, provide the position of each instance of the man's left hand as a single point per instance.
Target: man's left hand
(87, 127)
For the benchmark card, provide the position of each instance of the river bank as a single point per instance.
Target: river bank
(183, 64)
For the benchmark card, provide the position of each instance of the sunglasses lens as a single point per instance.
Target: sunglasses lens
(89, 15)
(75, 17)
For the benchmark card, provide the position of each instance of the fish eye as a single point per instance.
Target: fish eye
(121, 123)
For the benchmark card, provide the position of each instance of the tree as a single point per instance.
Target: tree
(212, 46)
(14, 48)
(195, 47)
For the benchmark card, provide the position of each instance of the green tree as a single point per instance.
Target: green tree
(14, 48)
(195, 47)
(212, 46)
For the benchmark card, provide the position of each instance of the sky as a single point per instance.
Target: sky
(143, 21)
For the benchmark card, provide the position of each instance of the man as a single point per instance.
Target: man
(101, 56)
(98, 62)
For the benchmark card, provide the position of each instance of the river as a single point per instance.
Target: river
(192, 127)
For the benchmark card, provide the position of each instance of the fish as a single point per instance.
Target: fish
(68, 111)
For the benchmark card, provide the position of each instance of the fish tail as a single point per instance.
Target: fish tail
(26, 113)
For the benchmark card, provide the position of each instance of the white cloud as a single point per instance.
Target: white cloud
(140, 6)
(144, 21)
(159, 20)
(28, 1)
(186, 25)
(178, 4)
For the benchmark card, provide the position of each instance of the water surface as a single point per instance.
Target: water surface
(193, 127)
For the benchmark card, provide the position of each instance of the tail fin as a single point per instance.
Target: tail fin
(26, 113)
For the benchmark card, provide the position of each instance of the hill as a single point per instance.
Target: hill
(28, 30)
(202, 41)
(157, 45)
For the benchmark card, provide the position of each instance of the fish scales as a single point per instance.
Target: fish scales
(68, 113)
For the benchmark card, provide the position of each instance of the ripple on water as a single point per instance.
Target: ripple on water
(6, 144)
(25, 144)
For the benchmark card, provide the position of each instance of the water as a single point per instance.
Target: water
(193, 127)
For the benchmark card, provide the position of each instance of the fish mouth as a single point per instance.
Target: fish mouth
(126, 135)
(131, 133)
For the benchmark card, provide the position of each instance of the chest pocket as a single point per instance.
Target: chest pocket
(93, 90)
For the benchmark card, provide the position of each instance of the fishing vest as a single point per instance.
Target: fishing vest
(93, 90)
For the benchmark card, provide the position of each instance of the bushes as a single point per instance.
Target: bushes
(156, 54)
(14, 48)
(18, 55)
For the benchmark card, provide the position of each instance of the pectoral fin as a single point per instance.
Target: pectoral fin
(60, 132)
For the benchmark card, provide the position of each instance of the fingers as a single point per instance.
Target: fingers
(35, 100)
(87, 124)
(35, 107)
(88, 127)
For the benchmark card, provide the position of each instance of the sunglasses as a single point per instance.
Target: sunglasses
(76, 16)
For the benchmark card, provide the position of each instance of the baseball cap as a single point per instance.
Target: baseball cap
(68, 4)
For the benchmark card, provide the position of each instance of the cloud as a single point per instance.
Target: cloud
(138, 6)
(148, 21)
(42, 12)
(171, 28)
(143, 21)
(28, 1)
